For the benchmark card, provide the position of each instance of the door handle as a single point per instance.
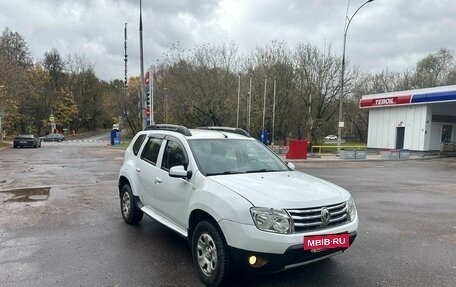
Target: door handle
(138, 169)
(158, 180)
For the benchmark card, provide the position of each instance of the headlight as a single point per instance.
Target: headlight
(272, 220)
(351, 209)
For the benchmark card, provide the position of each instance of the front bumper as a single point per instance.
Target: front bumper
(294, 256)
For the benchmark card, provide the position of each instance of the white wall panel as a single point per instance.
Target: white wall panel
(384, 121)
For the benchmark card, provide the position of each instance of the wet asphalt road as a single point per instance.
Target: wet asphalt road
(75, 235)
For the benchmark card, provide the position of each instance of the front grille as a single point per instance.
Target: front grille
(310, 219)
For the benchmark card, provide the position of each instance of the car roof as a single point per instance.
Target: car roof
(201, 133)
(213, 134)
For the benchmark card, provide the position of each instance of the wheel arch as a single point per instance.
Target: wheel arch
(198, 215)
(122, 181)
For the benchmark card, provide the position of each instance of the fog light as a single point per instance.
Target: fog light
(252, 260)
(257, 261)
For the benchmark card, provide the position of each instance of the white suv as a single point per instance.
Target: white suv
(237, 203)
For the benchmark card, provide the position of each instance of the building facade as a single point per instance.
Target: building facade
(418, 120)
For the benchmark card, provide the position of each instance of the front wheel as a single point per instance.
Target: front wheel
(130, 212)
(210, 254)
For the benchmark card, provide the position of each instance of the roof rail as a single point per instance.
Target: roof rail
(227, 129)
(167, 127)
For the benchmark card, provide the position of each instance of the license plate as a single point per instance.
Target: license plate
(319, 242)
(23, 141)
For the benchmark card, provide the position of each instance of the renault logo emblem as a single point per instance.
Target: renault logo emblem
(325, 216)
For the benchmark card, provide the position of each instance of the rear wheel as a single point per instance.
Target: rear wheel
(210, 254)
(130, 212)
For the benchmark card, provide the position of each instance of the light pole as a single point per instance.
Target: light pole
(264, 108)
(249, 104)
(273, 110)
(141, 55)
(347, 24)
(239, 96)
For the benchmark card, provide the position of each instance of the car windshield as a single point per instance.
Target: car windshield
(233, 156)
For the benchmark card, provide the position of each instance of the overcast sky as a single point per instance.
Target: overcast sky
(384, 34)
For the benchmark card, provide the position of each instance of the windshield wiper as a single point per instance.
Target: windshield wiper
(260, 170)
(225, 172)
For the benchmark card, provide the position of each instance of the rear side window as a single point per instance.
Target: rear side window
(138, 143)
(150, 152)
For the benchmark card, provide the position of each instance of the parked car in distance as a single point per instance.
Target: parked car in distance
(53, 138)
(235, 201)
(330, 137)
(26, 141)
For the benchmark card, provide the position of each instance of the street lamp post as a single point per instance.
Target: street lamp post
(141, 55)
(238, 99)
(264, 108)
(342, 76)
(273, 110)
(249, 104)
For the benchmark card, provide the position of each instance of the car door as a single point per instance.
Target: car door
(173, 194)
(147, 169)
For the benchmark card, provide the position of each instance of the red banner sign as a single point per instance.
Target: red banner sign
(378, 102)
(326, 241)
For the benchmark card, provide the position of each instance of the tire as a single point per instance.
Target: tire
(130, 212)
(210, 254)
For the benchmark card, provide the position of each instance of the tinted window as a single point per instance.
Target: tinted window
(138, 143)
(174, 155)
(150, 152)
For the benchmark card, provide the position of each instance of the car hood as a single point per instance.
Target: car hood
(283, 189)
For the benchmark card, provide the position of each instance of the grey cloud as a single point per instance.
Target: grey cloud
(387, 34)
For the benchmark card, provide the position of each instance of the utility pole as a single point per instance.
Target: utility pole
(249, 104)
(264, 106)
(273, 110)
(152, 120)
(125, 55)
(341, 123)
(239, 97)
(141, 54)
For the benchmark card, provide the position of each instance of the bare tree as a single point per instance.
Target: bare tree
(199, 86)
(273, 61)
(433, 70)
(317, 81)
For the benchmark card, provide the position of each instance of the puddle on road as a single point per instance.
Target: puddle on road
(28, 194)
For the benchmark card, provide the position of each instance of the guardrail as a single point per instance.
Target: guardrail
(330, 147)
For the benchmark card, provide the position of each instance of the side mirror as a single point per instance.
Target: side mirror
(291, 166)
(179, 172)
